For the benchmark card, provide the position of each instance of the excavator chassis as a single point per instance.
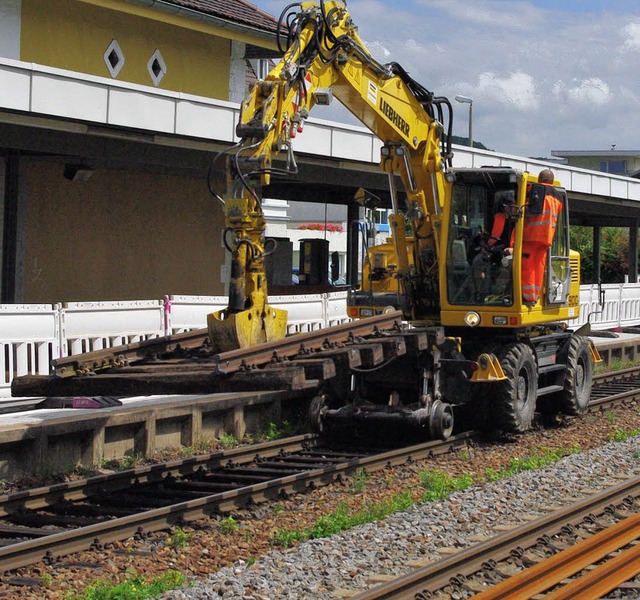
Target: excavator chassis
(360, 370)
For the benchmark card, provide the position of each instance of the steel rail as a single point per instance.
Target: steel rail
(61, 543)
(470, 560)
(225, 362)
(73, 491)
(552, 571)
(604, 578)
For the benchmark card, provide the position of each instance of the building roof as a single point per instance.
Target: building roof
(594, 153)
(236, 11)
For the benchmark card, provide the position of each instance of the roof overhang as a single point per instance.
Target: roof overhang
(193, 19)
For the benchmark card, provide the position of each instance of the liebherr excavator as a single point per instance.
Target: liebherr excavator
(460, 339)
(487, 350)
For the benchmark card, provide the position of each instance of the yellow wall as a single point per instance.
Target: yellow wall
(74, 35)
(119, 236)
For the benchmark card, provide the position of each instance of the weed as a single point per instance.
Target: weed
(179, 538)
(358, 481)
(228, 440)
(251, 561)
(276, 433)
(616, 364)
(342, 519)
(465, 453)
(46, 580)
(286, 539)
(277, 509)
(530, 463)
(247, 534)
(229, 525)
(130, 461)
(439, 485)
(135, 587)
(620, 435)
(611, 416)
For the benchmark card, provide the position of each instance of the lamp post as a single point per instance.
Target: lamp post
(469, 101)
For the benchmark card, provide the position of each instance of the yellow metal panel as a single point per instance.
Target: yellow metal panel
(74, 35)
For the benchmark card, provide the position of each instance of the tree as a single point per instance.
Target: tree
(614, 253)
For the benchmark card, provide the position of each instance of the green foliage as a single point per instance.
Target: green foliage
(614, 259)
(616, 364)
(133, 588)
(620, 435)
(530, 463)
(438, 485)
(358, 481)
(46, 580)
(342, 519)
(229, 525)
(201, 445)
(179, 538)
(228, 440)
(275, 432)
(129, 461)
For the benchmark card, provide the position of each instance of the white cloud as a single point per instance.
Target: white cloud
(518, 90)
(631, 33)
(588, 91)
(541, 78)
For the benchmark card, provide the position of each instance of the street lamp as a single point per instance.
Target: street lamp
(469, 101)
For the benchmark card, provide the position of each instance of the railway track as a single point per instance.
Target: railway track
(184, 363)
(588, 547)
(50, 522)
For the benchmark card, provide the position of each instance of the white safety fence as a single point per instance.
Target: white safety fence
(31, 335)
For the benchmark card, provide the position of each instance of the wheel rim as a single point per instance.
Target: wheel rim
(580, 376)
(441, 420)
(521, 389)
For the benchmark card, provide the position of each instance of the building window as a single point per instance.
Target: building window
(379, 216)
(114, 58)
(157, 68)
(617, 167)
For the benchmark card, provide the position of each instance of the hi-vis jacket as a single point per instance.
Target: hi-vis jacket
(540, 229)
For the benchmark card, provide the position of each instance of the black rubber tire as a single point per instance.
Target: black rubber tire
(514, 403)
(574, 399)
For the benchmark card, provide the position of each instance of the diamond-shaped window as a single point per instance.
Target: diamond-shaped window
(157, 67)
(114, 58)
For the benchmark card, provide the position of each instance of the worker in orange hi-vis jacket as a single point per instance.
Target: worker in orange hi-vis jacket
(539, 230)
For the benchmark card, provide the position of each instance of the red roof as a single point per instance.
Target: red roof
(235, 11)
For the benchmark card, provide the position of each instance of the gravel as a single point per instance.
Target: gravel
(338, 566)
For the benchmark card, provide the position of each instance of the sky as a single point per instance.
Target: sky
(543, 74)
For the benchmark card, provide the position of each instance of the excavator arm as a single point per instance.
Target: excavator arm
(323, 57)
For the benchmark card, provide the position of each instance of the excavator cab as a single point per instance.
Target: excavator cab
(483, 250)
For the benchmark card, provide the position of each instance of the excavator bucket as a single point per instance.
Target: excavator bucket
(246, 328)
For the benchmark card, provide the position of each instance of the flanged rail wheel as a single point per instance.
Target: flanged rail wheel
(440, 420)
(515, 401)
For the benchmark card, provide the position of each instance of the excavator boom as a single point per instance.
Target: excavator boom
(324, 57)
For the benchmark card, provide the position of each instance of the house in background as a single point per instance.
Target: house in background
(109, 115)
(616, 162)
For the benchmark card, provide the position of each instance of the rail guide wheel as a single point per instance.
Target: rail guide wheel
(440, 420)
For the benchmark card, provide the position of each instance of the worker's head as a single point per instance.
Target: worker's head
(505, 201)
(546, 176)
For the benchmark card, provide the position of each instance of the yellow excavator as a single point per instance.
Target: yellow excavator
(493, 354)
